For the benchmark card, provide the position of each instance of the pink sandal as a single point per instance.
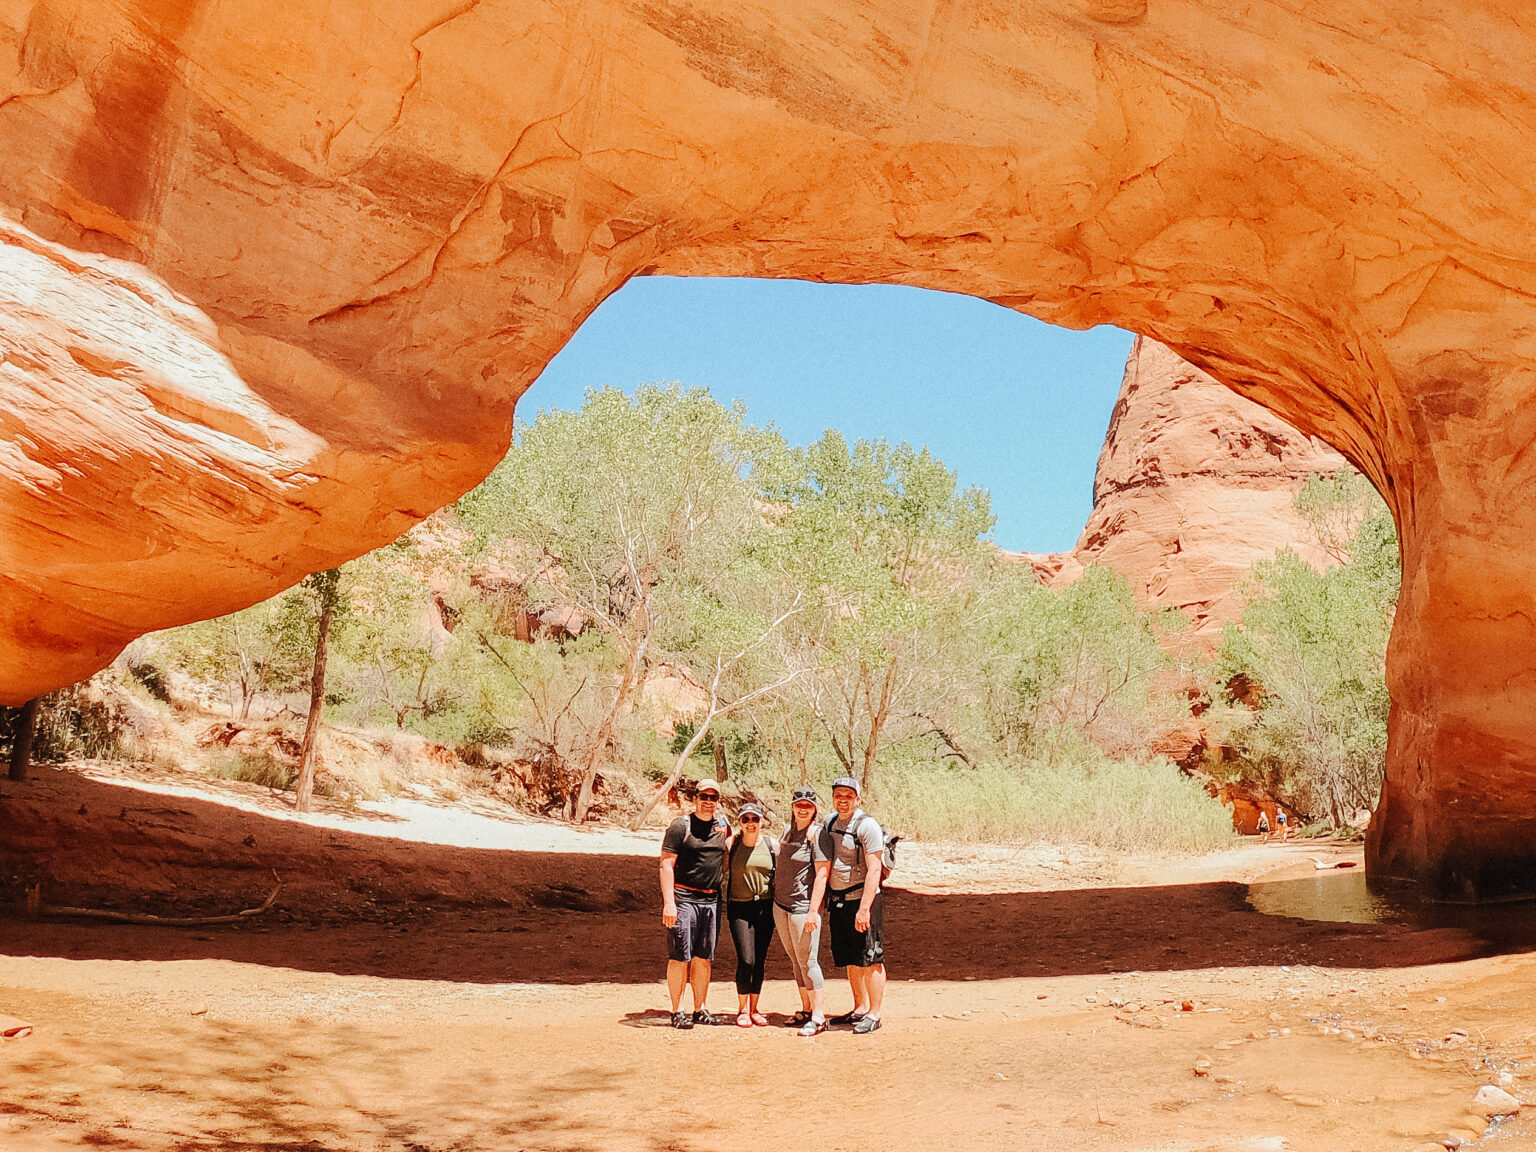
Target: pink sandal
(759, 1019)
(743, 1020)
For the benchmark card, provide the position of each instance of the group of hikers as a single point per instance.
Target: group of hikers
(776, 886)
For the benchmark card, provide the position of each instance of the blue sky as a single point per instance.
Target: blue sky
(1011, 404)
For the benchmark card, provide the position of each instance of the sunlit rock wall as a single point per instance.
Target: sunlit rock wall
(1195, 484)
(392, 214)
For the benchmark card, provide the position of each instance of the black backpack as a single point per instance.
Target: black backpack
(889, 839)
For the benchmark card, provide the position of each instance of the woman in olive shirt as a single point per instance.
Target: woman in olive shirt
(749, 908)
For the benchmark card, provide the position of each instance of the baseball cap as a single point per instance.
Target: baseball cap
(707, 786)
(750, 809)
(802, 794)
(846, 782)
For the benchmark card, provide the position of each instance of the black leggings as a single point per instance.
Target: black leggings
(752, 930)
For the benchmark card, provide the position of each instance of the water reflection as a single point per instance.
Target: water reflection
(1348, 897)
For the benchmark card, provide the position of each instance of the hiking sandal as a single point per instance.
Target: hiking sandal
(866, 1025)
(846, 1018)
(705, 1017)
(813, 1028)
(799, 1018)
(682, 1020)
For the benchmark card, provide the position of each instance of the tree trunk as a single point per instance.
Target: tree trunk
(329, 584)
(21, 746)
(877, 718)
(677, 771)
(631, 682)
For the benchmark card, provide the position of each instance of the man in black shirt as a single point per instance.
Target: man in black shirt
(692, 873)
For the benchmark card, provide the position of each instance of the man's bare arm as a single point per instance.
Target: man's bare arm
(872, 861)
(668, 891)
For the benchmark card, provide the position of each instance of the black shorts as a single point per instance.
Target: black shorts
(693, 936)
(850, 947)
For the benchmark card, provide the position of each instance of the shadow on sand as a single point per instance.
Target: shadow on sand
(372, 905)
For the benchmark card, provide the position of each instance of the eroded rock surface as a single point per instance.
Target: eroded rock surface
(393, 214)
(1195, 484)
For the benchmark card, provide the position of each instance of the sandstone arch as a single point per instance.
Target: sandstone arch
(387, 216)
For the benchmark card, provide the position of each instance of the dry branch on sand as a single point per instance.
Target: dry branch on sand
(36, 910)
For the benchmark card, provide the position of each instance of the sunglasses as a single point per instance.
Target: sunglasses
(708, 798)
(751, 820)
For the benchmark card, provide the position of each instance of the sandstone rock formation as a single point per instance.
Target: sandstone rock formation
(388, 216)
(1194, 485)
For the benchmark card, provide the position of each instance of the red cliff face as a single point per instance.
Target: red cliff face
(1194, 484)
(388, 217)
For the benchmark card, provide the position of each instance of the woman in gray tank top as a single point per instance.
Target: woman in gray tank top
(799, 883)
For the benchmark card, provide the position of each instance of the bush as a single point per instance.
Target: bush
(1315, 644)
(1086, 798)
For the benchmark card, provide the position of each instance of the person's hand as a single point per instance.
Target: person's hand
(812, 923)
(861, 920)
(669, 915)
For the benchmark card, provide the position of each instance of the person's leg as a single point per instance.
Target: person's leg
(704, 940)
(873, 966)
(786, 928)
(698, 977)
(811, 942)
(677, 979)
(874, 985)
(742, 935)
(762, 935)
(679, 953)
(858, 984)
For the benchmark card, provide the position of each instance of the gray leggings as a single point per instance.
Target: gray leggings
(801, 947)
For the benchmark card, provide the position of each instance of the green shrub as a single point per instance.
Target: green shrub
(1116, 805)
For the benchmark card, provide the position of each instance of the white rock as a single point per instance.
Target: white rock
(1494, 1101)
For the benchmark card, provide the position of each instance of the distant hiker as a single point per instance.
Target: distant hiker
(856, 907)
(1283, 823)
(749, 909)
(799, 883)
(1263, 826)
(692, 874)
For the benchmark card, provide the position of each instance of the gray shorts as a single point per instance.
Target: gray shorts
(693, 936)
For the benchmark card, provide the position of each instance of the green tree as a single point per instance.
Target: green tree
(629, 512)
(1315, 644)
(1075, 662)
(883, 539)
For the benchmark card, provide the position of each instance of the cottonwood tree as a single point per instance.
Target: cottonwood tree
(1316, 645)
(883, 538)
(243, 652)
(326, 587)
(1078, 661)
(625, 511)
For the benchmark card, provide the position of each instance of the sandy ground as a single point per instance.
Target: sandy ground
(435, 979)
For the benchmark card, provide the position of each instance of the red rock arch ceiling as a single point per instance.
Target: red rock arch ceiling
(386, 216)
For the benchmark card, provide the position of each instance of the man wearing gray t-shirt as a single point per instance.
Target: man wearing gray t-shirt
(856, 908)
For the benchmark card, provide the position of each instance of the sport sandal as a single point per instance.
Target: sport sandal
(867, 1025)
(706, 1017)
(813, 1028)
(846, 1018)
(682, 1020)
(797, 1019)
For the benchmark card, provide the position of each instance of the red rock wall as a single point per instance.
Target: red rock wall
(391, 215)
(1194, 485)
